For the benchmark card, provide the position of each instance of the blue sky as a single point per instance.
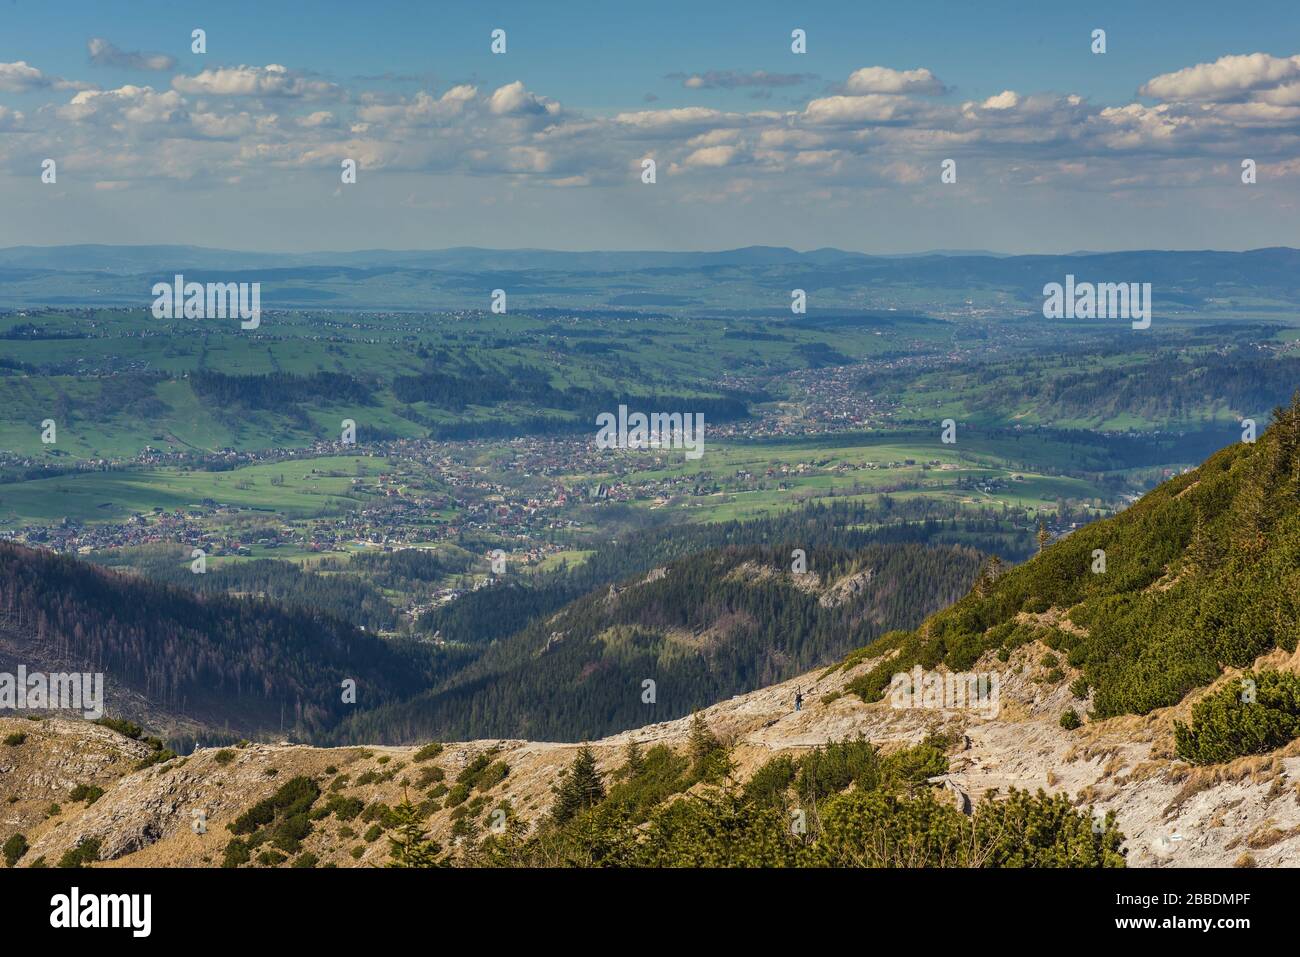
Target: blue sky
(1056, 148)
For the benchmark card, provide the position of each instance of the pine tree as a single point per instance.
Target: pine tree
(1044, 536)
(709, 760)
(634, 762)
(702, 741)
(989, 574)
(409, 842)
(581, 789)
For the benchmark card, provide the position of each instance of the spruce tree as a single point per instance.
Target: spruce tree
(409, 844)
(634, 762)
(581, 789)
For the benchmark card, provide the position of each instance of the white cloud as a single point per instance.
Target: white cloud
(875, 108)
(881, 79)
(270, 80)
(513, 100)
(19, 77)
(1006, 100)
(1226, 78)
(712, 157)
(127, 104)
(423, 109)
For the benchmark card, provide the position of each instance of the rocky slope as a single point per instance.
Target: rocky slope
(1244, 813)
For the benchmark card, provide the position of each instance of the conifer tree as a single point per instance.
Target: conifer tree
(634, 762)
(581, 789)
(410, 845)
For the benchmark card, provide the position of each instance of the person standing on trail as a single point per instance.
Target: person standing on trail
(798, 699)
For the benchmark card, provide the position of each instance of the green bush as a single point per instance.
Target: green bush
(1227, 724)
(128, 728)
(428, 752)
(1070, 719)
(86, 852)
(13, 849)
(237, 853)
(770, 782)
(90, 793)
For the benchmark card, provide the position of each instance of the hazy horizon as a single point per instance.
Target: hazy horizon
(887, 131)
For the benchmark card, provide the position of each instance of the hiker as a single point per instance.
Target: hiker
(798, 699)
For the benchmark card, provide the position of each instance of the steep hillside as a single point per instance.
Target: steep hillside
(700, 629)
(1201, 574)
(209, 662)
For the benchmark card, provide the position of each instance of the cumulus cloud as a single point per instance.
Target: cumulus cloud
(270, 80)
(1006, 100)
(712, 156)
(104, 53)
(881, 79)
(1229, 77)
(850, 110)
(423, 109)
(19, 77)
(514, 100)
(134, 105)
(878, 126)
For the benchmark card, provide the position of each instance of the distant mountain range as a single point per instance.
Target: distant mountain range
(134, 260)
(1261, 282)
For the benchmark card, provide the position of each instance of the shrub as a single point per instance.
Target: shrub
(237, 853)
(1224, 726)
(13, 849)
(158, 757)
(89, 793)
(430, 775)
(770, 782)
(1070, 719)
(491, 776)
(122, 726)
(86, 852)
(15, 739)
(224, 756)
(428, 752)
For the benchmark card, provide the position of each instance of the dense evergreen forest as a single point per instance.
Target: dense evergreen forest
(701, 628)
(237, 663)
(485, 615)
